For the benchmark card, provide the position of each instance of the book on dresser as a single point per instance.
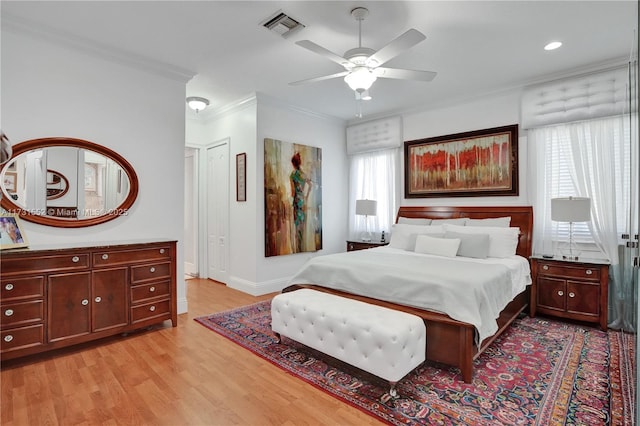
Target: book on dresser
(52, 297)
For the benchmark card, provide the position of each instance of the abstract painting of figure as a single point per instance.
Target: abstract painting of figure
(292, 198)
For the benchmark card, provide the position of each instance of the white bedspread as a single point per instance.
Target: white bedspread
(469, 290)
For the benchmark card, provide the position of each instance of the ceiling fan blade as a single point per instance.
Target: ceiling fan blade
(404, 74)
(325, 77)
(395, 47)
(315, 48)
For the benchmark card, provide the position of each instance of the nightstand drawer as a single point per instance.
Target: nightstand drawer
(568, 271)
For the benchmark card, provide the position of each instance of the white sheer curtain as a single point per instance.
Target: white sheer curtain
(373, 176)
(594, 153)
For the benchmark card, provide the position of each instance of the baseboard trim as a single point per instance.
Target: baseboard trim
(255, 288)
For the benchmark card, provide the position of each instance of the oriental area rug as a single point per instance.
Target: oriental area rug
(539, 372)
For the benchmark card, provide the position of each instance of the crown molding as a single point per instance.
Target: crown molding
(270, 100)
(42, 32)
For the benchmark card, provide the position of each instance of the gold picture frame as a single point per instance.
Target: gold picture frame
(12, 233)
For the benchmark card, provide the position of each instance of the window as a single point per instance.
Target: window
(586, 159)
(373, 176)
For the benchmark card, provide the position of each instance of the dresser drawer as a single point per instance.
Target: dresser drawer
(20, 338)
(116, 257)
(21, 288)
(151, 271)
(40, 264)
(567, 271)
(144, 292)
(150, 310)
(13, 314)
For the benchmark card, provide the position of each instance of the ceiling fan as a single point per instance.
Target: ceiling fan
(363, 65)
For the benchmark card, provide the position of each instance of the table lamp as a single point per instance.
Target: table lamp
(366, 208)
(571, 209)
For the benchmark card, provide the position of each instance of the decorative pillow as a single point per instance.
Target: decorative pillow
(458, 221)
(403, 236)
(503, 242)
(471, 245)
(503, 222)
(414, 221)
(439, 246)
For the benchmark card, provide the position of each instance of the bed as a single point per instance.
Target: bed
(450, 341)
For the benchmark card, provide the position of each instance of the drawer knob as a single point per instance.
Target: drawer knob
(8, 338)
(152, 269)
(8, 287)
(152, 308)
(98, 299)
(560, 293)
(588, 272)
(572, 294)
(105, 256)
(545, 267)
(161, 251)
(152, 289)
(8, 312)
(75, 259)
(84, 302)
(350, 246)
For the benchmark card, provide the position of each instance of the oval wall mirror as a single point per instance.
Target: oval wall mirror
(66, 182)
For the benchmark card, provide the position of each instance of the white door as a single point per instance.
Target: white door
(217, 211)
(191, 212)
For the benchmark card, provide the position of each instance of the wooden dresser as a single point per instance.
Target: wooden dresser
(56, 297)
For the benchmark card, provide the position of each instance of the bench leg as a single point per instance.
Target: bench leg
(278, 339)
(393, 392)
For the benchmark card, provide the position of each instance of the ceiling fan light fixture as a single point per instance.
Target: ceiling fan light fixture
(360, 79)
(197, 103)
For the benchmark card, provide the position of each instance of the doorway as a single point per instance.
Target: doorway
(191, 212)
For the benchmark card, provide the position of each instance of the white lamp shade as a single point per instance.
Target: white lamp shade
(360, 79)
(366, 207)
(571, 209)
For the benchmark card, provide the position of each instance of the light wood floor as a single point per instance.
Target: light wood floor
(186, 375)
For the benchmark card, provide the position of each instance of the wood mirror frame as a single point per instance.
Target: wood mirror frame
(22, 147)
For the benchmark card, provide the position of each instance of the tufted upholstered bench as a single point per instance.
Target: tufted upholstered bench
(381, 341)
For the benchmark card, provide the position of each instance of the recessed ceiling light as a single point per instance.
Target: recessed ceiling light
(553, 45)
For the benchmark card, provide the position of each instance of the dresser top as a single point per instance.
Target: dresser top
(589, 260)
(82, 245)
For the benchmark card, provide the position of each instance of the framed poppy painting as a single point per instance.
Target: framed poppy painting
(470, 164)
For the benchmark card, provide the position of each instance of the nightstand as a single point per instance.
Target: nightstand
(576, 290)
(363, 245)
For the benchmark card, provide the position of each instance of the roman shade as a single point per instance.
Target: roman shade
(374, 135)
(594, 95)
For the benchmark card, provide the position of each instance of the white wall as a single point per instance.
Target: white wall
(284, 123)
(51, 90)
(246, 124)
(487, 112)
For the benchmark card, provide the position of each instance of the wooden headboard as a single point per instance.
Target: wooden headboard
(521, 216)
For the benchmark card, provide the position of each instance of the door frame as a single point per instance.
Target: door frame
(196, 201)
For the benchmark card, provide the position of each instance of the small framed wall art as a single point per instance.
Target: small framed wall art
(241, 177)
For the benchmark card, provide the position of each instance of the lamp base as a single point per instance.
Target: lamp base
(366, 237)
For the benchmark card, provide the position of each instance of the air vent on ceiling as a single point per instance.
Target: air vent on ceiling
(282, 24)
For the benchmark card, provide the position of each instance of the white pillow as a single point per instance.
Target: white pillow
(403, 236)
(439, 246)
(503, 222)
(503, 242)
(457, 221)
(471, 245)
(414, 221)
